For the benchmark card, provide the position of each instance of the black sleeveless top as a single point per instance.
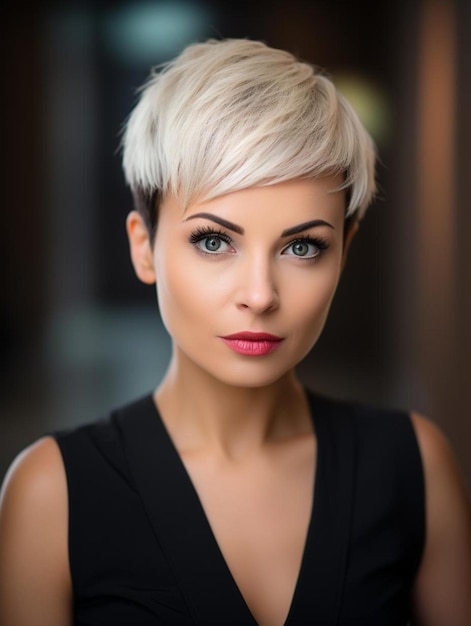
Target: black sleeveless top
(142, 552)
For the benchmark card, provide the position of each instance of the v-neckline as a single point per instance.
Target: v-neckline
(211, 537)
(183, 530)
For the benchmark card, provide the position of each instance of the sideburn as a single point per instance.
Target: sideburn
(147, 204)
(348, 223)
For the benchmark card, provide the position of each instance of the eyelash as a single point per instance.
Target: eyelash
(203, 232)
(320, 243)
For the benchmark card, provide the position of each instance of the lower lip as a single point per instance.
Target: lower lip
(251, 347)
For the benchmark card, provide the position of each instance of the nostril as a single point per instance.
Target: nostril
(259, 302)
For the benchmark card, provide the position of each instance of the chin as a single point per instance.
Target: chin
(249, 377)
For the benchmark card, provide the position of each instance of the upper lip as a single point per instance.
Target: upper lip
(253, 336)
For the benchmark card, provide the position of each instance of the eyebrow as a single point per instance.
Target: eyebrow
(238, 229)
(300, 227)
(218, 220)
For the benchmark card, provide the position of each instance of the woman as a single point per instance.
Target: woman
(232, 494)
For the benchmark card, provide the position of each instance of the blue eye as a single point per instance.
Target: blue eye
(209, 241)
(300, 248)
(306, 248)
(211, 244)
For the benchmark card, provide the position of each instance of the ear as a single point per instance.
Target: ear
(140, 248)
(351, 232)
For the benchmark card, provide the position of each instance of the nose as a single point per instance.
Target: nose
(257, 289)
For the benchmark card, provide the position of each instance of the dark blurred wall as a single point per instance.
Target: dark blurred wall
(80, 334)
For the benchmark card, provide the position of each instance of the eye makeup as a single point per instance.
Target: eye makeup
(208, 240)
(212, 241)
(300, 248)
(209, 231)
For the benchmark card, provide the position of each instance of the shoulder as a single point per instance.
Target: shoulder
(379, 431)
(91, 449)
(444, 483)
(33, 536)
(444, 579)
(35, 478)
(433, 443)
(34, 493)
(437, 453)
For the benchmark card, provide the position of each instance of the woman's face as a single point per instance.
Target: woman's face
(245, 281)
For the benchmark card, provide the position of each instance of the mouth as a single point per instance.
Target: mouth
(252, 343)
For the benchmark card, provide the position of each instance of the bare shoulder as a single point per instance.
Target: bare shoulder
(444, 481)
(34, 569)
(433, 443)
(442, 592)
(34, 468)
(35, 482)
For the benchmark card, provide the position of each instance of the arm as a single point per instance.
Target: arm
(442, 592)
(35, 587)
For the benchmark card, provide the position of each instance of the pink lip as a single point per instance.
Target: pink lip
(252, 344)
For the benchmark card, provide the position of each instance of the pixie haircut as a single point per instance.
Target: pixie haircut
(230, 114)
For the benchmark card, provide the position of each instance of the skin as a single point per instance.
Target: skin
(262, 441)
(242, 418)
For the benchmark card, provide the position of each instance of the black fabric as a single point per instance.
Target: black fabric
(142, 551)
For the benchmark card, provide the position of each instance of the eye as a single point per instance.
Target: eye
(213, 243)
(209, 241)
(306, 248)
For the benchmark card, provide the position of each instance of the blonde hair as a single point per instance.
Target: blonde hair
(230, 114)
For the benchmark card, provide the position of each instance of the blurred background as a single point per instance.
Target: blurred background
(79, 334)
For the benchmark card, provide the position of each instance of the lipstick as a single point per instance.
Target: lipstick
(252, 343)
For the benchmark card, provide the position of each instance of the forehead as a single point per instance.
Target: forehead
(281, 202)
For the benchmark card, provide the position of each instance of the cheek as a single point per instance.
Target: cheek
(185, 293)
(173, 296)
(313, 292)
(312, 300)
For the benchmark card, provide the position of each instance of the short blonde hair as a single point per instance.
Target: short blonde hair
(234, 113)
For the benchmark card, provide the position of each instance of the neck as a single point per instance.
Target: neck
(200, 411)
